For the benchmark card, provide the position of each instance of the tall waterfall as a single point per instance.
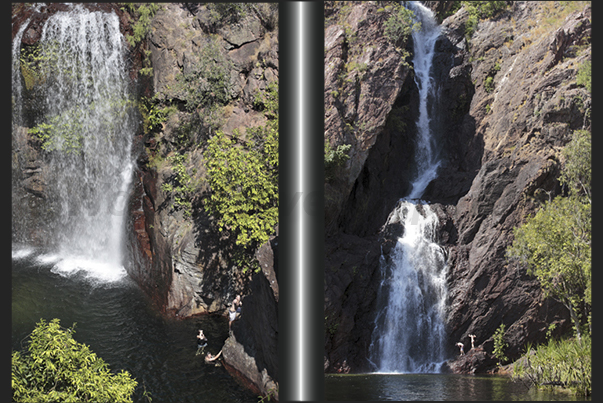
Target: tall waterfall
(409, 334)
(85, 125)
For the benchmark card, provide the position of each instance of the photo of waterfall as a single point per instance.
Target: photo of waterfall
(449, 136)
(417, 225)
(134, 128)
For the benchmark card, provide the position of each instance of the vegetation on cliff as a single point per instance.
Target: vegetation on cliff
(243, 176)
(556, 245)
(56, 368)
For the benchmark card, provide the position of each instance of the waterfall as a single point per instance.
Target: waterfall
(85, 124)
(409, 334)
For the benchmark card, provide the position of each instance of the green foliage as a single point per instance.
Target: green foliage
(399, 26)
(56, 368)
(40, 62)
(144, 13)
(556, 246)
(584, 76)
(221, 14)
(152, 115)
(576, 173)
(335, 158)
(30, 61)
(480, 10)
(500, 344)
(63, 132)
(243, 176)
(489, 84)
(563, 363)
(207, 84)
(556, 242)
(268, 398)
(181, 186)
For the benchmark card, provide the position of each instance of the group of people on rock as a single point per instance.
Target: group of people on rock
(234, 311)
(461, 346)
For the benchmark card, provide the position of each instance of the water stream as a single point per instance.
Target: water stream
(409, 334)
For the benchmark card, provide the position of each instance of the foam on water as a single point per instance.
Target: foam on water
(90, 269)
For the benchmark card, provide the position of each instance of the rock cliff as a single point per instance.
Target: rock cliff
(509, 102)
(183, 244)
(182, 253)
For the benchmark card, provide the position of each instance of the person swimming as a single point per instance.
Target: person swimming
(210, 357)
(201, 342)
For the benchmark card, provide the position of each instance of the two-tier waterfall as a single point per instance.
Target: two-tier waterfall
(85, 123)
(409, 332)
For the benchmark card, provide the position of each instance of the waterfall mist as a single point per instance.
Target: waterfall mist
(85, 123)
(409, 334)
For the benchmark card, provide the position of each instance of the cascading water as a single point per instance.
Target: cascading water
(409, 333)
(85, 127)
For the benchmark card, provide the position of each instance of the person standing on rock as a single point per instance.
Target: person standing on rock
(461, 346)
(234, 311)
(237, 301)
(472, 337)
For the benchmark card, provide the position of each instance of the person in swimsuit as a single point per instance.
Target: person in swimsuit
(234, 311)
(201, 342)
(232, 315)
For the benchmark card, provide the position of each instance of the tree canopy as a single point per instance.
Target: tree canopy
(56, 368)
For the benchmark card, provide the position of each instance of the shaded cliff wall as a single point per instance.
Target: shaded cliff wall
(500, 141)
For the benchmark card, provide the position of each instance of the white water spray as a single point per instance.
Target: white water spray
(88, 106)
(409, 334)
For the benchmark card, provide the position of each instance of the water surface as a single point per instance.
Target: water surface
(401, 387)
(121, 326)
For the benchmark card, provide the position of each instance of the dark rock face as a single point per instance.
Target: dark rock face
(251, 351)
(351, 284)
(508, 104)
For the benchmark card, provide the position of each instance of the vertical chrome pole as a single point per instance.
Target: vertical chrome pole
(301, 240)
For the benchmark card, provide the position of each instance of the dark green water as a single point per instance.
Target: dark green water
(431, 387)
(119, 323)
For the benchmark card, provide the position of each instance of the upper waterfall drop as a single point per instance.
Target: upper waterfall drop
(424, 47)
(409, 334)
(85, 124)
